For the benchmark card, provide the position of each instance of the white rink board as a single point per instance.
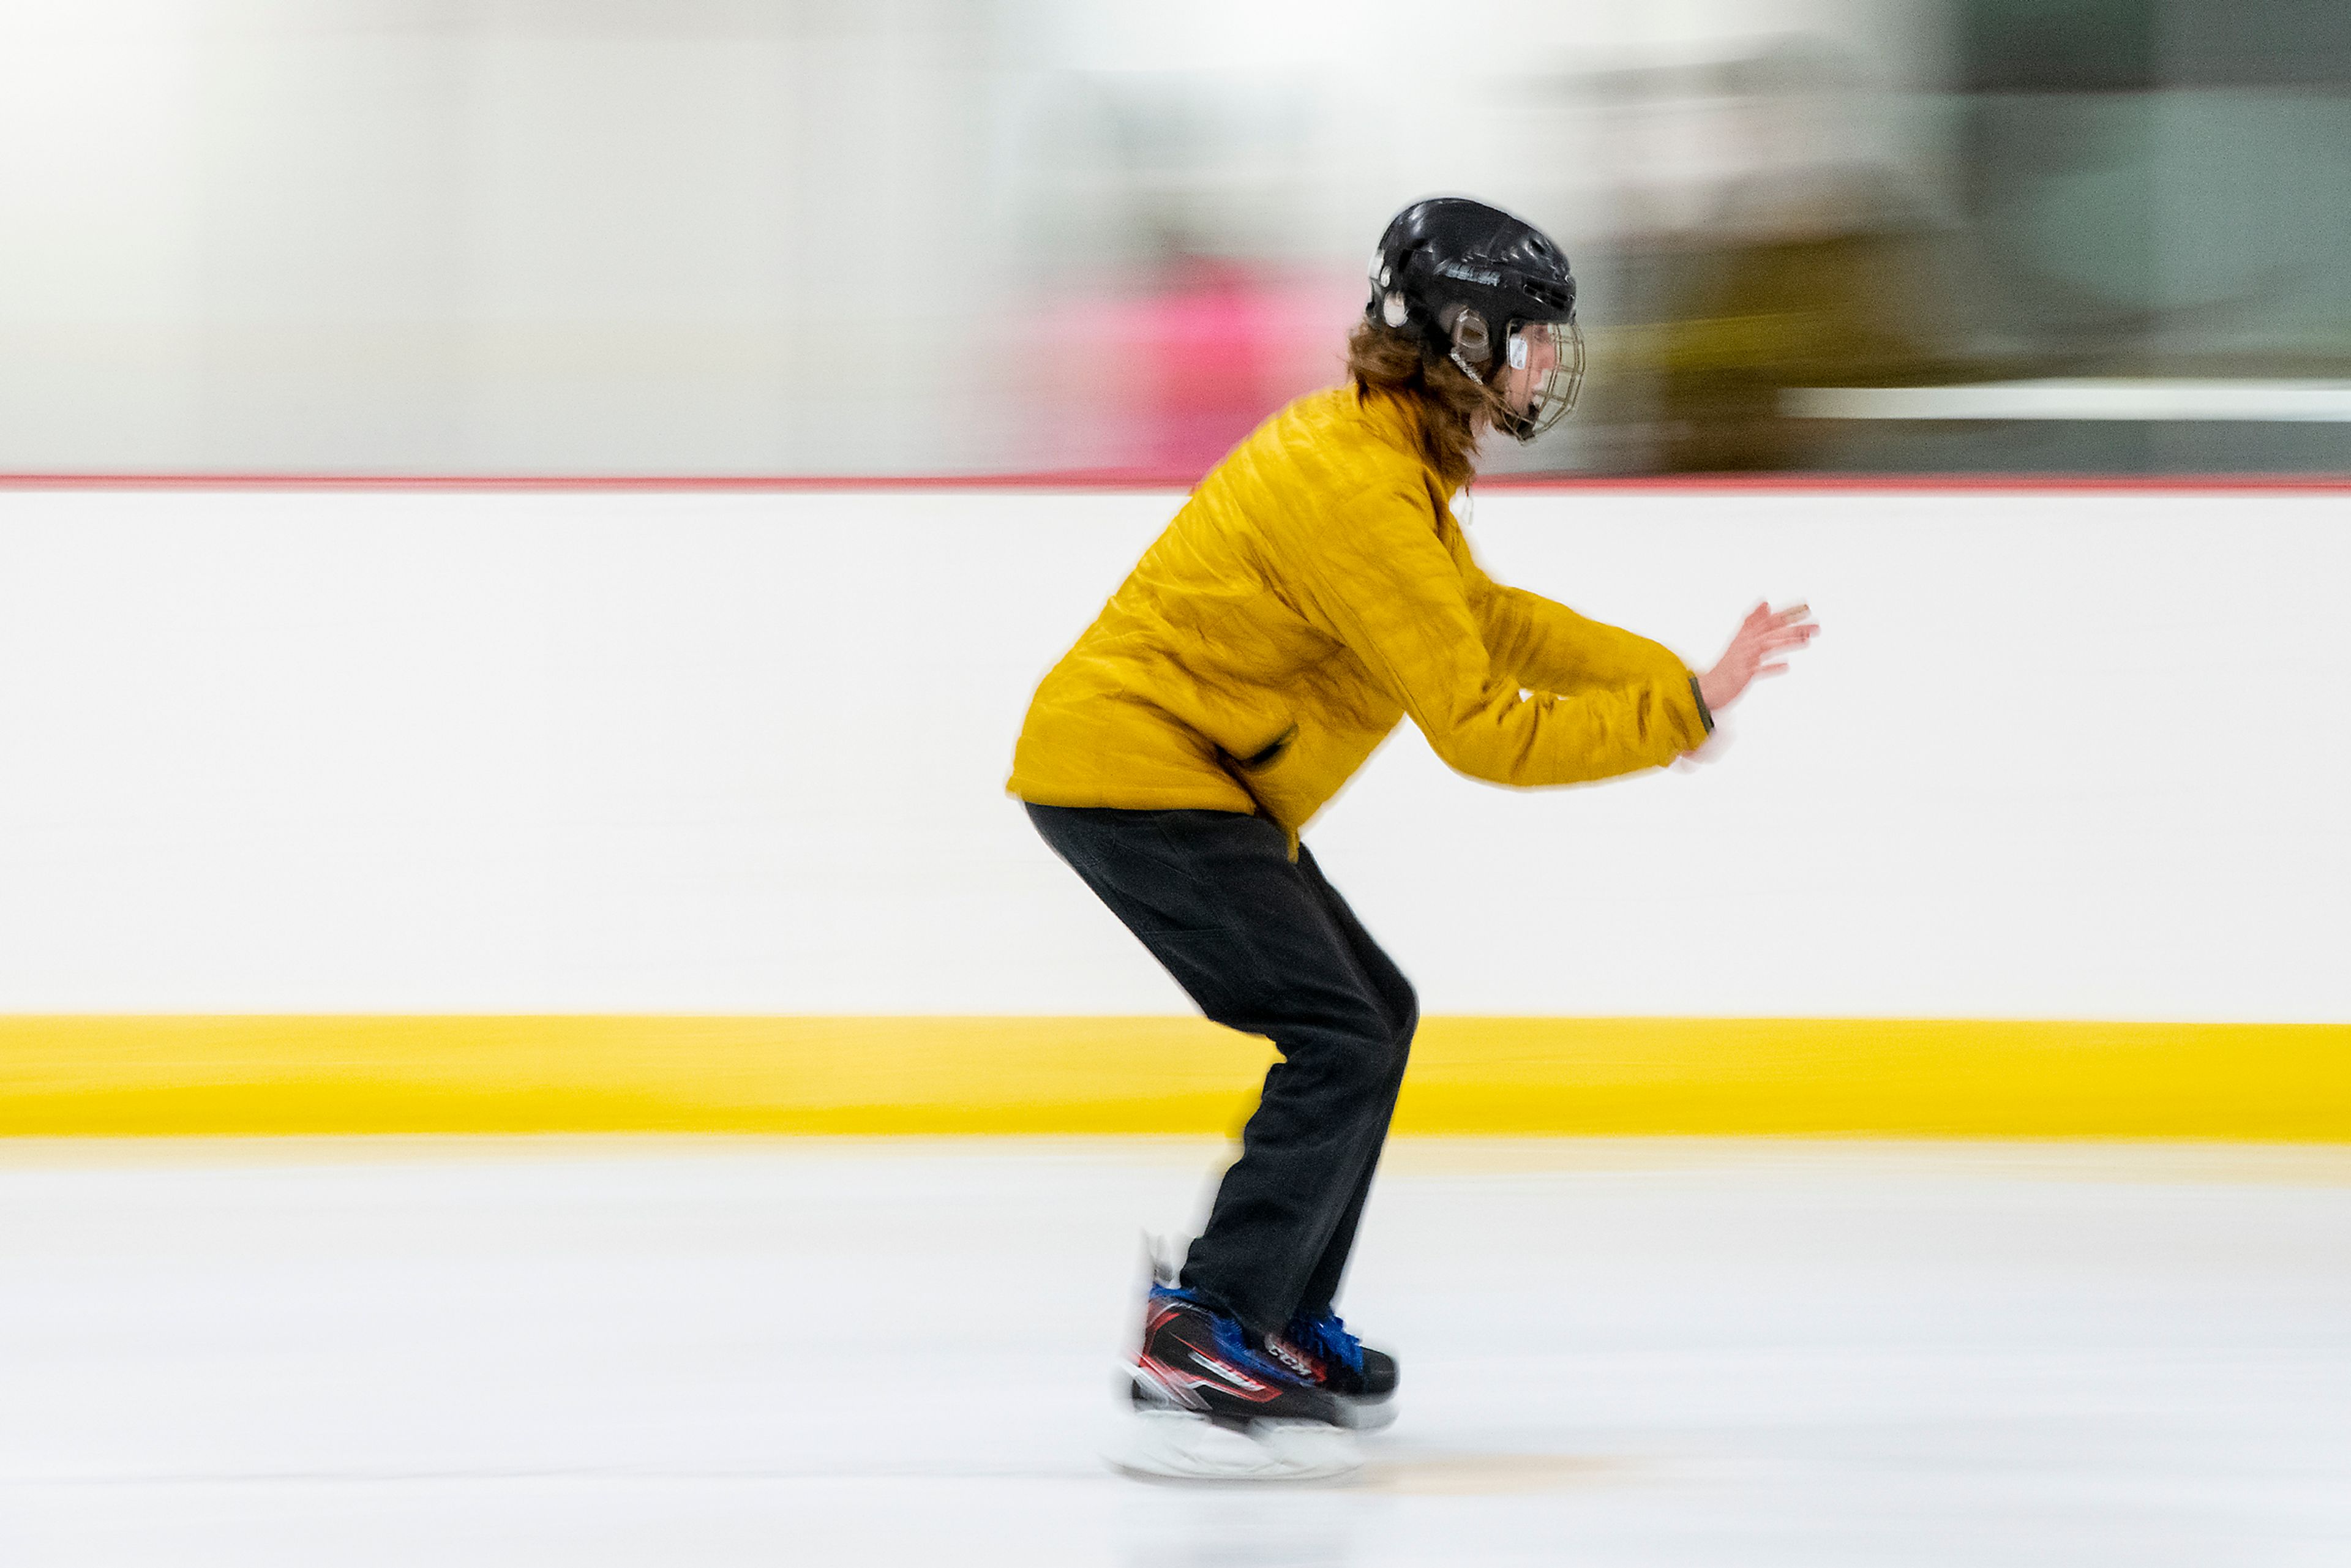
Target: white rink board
(2054, 756)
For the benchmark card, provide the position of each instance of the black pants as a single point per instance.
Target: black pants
(1267, 948)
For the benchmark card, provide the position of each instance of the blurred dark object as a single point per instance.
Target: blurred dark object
(1812, 284)
(2135, 189)
(2140, 46)
(2145, 194)
(2256, 43)
(1809, 264)
(2059, 45)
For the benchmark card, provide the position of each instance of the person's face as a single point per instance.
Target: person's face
(1522, 382)
(1538, 390)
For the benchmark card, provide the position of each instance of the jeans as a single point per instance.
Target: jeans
(1266, 946)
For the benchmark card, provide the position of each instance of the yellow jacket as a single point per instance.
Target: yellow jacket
(1313, 591)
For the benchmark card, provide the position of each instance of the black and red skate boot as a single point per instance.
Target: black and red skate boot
(1364, 1380)
(1198, 1359)
(1210, 1404)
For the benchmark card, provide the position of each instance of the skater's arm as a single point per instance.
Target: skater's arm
(1552, 648)
(1384, 585)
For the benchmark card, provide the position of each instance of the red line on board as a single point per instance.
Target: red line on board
(1124, 479)
(2143, 483)
(1057, 480)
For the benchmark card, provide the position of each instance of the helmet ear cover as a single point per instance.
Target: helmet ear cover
(1468, 337)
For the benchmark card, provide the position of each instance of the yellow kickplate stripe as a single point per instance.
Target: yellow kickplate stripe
(276, 1073)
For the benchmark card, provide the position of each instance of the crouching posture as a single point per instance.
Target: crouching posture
(1314, 591)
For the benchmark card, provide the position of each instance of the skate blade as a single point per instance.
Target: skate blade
(1174, 1445)
(1367, 1414)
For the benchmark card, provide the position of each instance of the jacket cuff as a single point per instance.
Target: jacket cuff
(1704, 714)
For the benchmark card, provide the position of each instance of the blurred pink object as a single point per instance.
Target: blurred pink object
(1211, 339)
(1167, 379)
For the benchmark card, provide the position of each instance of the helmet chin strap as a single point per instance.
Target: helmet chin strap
(1515, 422)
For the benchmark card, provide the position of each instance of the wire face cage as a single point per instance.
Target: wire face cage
(1553, 352)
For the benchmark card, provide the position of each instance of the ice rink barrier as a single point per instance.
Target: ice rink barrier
(449, 806)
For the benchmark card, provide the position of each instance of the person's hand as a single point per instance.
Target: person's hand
(1764, 632)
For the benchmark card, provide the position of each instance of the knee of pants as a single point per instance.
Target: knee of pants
(1366, 1063)
(1383, 1063)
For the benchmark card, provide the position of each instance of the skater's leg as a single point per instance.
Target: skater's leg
(1301, 1166)
(1216, 898)
(1401, 1008)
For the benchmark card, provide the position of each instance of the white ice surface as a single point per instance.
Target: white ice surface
(756, 1352)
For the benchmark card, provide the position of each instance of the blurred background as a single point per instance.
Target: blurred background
(895, 237)
(1924, 1138)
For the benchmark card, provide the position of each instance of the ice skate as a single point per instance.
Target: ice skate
(1363, 1380)
(1209, 1405)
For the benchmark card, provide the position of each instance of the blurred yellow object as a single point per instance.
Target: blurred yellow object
(1314, 591)
(85, 1075)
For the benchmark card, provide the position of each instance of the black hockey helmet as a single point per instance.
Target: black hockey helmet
(1488, 291)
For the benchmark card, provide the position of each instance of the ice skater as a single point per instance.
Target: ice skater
(1315, 589)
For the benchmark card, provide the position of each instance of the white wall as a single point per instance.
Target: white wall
(688, 235)
(2053, 756)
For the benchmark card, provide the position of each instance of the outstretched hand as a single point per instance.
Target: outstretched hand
(1764, 632)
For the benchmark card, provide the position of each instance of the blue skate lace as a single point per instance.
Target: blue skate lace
(1327, 1337)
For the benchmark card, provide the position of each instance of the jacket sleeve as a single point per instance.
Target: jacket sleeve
(1378, 578)
(1550, 647)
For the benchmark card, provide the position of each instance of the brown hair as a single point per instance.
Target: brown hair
(1453, 409)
